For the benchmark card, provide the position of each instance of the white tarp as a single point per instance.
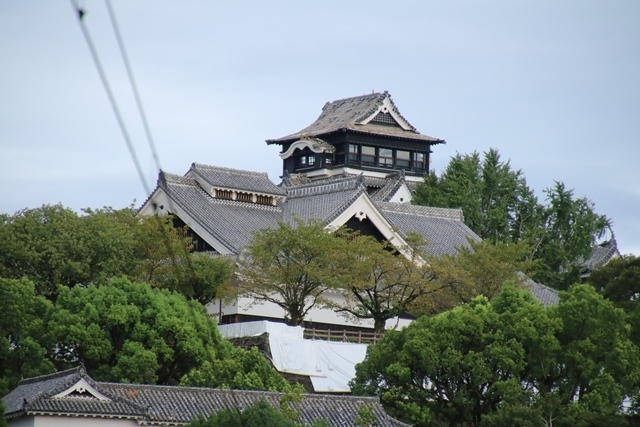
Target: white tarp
(330, 365)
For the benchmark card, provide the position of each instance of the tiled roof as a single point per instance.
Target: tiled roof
(387, 191)
(322, 201)
(235, 179)
(544, 294)
(231, 222)
(348, 114)
(173, 405)
(442, 228)
(600, 255)
(36, 395)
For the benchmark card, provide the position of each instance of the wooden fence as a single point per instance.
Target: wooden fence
(357, 337)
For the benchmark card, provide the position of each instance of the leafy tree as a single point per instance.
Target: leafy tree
(199, 276)
(507, 362)
(21, 329)
(289, 266)
(260, 414)
(127, 332)
(571, 228)
(499, 206)
(479, 269)
(375, 281)
(53, 245)
(3, 422)
(237, 369)
(619, 281)
(494, 198)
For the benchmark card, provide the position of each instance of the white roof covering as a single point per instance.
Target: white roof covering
(330, 365)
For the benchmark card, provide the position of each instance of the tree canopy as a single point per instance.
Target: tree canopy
(499, 206)
(376, 281)
(53, 245)
(290, 266)
(508, 362)
(260, 414)
(131, 332)
(479, 269)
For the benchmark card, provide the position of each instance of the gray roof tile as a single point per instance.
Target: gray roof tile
(236, 179)
(442, 228)
(173, 405)
(231, 222)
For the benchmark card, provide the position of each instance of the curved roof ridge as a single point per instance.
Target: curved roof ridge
(78, 370)
(196, 165)
(319, 187)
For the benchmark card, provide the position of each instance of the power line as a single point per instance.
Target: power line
(134, 86)
(107, 88)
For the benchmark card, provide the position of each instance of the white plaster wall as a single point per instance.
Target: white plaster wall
(63, 421)
(316, 314)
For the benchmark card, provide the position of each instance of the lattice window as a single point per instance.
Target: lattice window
(384, 118)
(244, 197)
(224, 194)
(265, 200)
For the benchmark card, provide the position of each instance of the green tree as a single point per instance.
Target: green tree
(260, 414)
(507, 362)
(237, 369)
(619, 281)
(3, 422)
(199, 276)
(21, 328)
(376, 281)
(53, 245)
(570, 230)
(494, 198)
(128, 332)
(480, 269)
(290, 266)
(499, 206)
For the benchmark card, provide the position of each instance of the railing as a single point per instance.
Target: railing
(357, 337)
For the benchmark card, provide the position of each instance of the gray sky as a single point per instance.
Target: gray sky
(553, 85)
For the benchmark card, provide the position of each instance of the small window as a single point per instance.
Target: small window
(418, 160)
(311, 160)
(403, 159)
(368, 154)
(353, 152)
(385, 157)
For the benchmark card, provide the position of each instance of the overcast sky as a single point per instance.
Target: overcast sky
(553, 85)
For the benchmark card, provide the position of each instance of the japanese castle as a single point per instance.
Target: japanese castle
(355, 166)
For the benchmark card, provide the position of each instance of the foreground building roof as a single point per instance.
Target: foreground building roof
(73, 393)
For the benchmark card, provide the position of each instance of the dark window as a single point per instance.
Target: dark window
(385, 157)
(403, 159)
(418, 160)
(353, 153)
(368, 154)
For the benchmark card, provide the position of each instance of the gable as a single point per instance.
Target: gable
(83, 390)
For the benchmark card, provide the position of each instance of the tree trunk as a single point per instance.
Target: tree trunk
(378, 325)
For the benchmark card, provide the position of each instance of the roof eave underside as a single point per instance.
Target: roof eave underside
(320, 134)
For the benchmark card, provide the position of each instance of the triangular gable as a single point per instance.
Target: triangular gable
(363, 208)
(81, 389)
(160, 203)
(387, 113)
